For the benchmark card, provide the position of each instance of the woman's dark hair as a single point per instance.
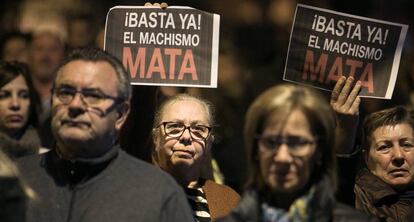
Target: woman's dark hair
(11, 70)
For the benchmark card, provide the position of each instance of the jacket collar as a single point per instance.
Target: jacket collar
(76, 171)
(376, 189)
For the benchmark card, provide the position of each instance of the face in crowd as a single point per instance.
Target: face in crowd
(391, 155)
(14, 105)
(182, 137)
(289, 137)
(287, 152)
(86, 108)
(15, 48)
(46, 53)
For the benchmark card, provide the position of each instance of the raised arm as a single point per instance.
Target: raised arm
(345, 102)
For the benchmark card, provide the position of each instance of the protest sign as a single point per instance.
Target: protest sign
(177, 46)
(325, 44)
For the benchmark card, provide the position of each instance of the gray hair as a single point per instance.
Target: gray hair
(95, 55)
(184, 97)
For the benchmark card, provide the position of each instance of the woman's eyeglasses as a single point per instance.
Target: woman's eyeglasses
(176, 129)
(297, 145)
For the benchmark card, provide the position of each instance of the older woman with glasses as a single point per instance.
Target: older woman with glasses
(182, 136)
(289, 136)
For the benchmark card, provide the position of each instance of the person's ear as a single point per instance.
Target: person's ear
(123, 111)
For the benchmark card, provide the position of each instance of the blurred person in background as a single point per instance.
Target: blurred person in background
(46, 53)
(81, 31)
(290, 138)
(18, 137)
(14, 46)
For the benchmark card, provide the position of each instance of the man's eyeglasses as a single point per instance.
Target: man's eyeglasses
(91, 97)
(297, 145)
(176, 129)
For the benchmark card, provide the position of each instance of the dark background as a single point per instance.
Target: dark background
(254, 36)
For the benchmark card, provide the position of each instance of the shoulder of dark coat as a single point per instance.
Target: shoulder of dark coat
(134, 167)
(344, 212)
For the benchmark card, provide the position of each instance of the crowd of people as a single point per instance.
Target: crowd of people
(78, 142)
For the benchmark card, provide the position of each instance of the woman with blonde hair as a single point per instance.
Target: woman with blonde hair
(290, 136)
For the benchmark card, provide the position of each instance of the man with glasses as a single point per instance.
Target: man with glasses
(182, 135)
(86, 177)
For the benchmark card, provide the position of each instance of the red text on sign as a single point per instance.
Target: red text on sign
(136, 64)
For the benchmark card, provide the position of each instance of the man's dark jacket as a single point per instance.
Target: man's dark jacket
(113, 187)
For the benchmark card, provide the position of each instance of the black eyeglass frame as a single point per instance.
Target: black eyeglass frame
(209, 128)
(116, 100)
(81, 92)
